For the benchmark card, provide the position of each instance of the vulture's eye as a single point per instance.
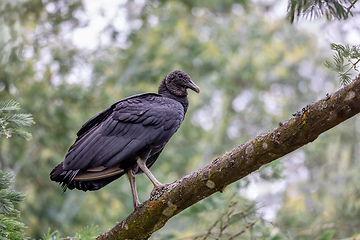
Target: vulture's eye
(180, 75)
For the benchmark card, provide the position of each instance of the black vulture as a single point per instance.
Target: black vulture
(127, 137)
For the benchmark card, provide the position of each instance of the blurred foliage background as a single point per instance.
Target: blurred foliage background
(64, 61)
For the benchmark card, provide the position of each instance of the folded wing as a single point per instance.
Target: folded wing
(109, 142)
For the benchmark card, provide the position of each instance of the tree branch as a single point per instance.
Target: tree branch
(349, 8)
(302, 128)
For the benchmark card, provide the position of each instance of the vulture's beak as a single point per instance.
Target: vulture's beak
(193, 86)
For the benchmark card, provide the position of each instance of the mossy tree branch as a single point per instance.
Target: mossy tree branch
(304, 127)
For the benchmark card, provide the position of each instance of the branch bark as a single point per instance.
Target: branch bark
(304, 127)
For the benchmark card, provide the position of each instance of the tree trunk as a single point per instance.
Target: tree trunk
(304, 127)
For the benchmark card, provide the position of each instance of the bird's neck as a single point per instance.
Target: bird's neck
(163, 91)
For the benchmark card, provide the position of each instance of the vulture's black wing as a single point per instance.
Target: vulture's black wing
(134, 126)
(94, 121)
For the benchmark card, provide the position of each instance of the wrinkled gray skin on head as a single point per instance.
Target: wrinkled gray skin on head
(177, 82)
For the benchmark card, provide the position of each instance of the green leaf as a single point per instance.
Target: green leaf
(345, 78)
(343, 61)
(10, 228)
(11, 124)
(5, 180)
(19, 120)
(9, 105)
(51, 235)
(88, 233)
(311, 9)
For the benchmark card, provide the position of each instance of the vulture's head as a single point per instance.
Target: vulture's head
(177, 82)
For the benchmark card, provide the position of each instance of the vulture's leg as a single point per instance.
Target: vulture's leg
(131, 176)
(141, 163)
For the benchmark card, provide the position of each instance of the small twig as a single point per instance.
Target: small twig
(354, 64)
(352, 67)
(249, 225)
(213, 226)
(229, 213)
(223, 227)
(348, 9)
